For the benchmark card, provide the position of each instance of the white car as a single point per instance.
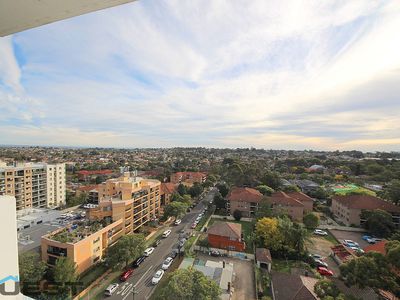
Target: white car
(157, 277)
(166, 233)
(111, 289)
(351, 243)
(320, 232)
(178, 221)
(148, 251)
(167, 263)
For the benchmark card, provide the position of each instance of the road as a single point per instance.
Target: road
(142, 276)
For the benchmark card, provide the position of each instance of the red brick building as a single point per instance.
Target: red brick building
(226, 235)
(246, 200)
(188, 177)
(283, 203)
(307, 201)
(166, 192)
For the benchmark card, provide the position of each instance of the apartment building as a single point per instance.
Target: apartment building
(34, 185)
(246, 200)
(188, 178)
(283, 203)
(126, 203)
(348, 209)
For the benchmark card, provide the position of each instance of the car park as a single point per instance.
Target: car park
(324, 271)
(178, 221)
(166, 233)
(167, 263)
(126, 274)
(138, 261)
(157, 277)
(111, 289)
(148, 251)
(320, 232)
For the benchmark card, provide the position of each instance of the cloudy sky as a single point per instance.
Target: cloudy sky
(269, 74)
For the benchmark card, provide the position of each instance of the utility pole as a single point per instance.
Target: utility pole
(133, 292)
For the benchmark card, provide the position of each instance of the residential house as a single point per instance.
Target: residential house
(188, 178)
(306, 185)
(292, 287)
(347, 209)
(226, 235)
(306, 200)
(263, 258)
(246, 200)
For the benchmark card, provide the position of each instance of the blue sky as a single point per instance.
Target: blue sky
(268, 74)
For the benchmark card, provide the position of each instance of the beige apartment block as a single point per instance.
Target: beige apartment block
(34, 185)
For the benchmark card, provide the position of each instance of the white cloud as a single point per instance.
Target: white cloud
(10, 73)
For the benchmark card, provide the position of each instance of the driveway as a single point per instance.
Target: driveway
(243, 283)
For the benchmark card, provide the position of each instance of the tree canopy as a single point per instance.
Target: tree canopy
(392, 191)
(31, 268)
(189, 284)
(265, 190)
(128, 247)
(175, 209)
(311, 220)
(378, 222)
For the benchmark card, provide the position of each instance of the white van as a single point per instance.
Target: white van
(166, 233)
(111, 289)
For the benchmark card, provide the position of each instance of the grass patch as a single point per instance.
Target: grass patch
(92, 274)
(331, 239)
(285, 266)
(188, 245)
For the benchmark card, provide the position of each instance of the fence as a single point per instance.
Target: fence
(229, 253)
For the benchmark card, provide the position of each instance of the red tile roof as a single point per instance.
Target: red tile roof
(244, 194)
(283, 199)
(87, 188)
(300, 196)
(263, 255)
(168, 187)
(366, 202)
(226, 229)
(378, 247)
(94, 172)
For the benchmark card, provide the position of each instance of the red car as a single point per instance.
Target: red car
(324, 271)
(124, 276)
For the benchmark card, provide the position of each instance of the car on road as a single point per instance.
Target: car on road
(178, 221)
(320, 263)
(324, 271)
(320, 232)
(111, 289)
(167, 263)
(174, 253)
(156, 243)
(182, 231)
(166, 233)
(215, 253)
(148, 251)
(193, 226)
(138, 261)
(157, 277)
(126, 274)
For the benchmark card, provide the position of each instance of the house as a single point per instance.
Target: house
(283, 203)
(246, 200)
(166, 191)
(306, 185)
(307, 201)
(292, 287)
(347, 209)
(263, 258)
(226, 235)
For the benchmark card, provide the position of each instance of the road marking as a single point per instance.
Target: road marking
(140, 279)
(127, 290)
(122, 288)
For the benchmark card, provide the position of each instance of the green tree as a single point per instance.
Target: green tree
(326, 288)
(184, 284)
(393, 252)
(175, 209)
(378, 222)
(223, 189)
(319, 193)
(64, 273)
(265, 190)
(237, 214)
(31, 269)
(272, 180)
(392, 191)
(268, 233)
(372, 270)
(219, 201)
(290, 188)
(128, 247)
(196, 189)
(311, 220)
(182, 190)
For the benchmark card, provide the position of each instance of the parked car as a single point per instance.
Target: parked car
(320, 263)
(315, 256)
(167, 263)
(350, 243)
(138, 261)
(157, 277)
(125, 275)
(320, 232)
(178, 221)
(193, 226)
(366, 237)
(156, 243)
(215, 253)
(174, 253)
(111, 289)
(166, 233)
(148, 251)
(324, 271)
(182, 231)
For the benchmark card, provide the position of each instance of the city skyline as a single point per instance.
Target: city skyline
(213, 74)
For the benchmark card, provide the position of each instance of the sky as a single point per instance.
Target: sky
(216, 73)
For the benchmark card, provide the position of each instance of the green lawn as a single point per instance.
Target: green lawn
(247, 230)
(331, 239)
(281, 265)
